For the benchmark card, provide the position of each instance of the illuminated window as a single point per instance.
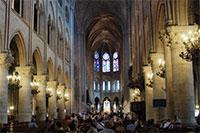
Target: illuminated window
(118, 86)
(115, 62)
(106, 63)
(108, 88)
(96, 62)
(115, 86)
(96, 86)
(104, 86)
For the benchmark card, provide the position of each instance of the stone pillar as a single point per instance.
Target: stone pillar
(148, 93)
(4, 63)
(158, 86)
(182, 73)
(25, 110)
(168, 75)
(41, 97)
(68, 100)
(52, 110)
(61, 102)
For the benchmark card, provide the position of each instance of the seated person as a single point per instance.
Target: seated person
(32, 124)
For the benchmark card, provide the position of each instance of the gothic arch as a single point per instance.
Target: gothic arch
(66, 79)
(20, 45)
(51, 12)
(38, 60)
(60, 25)
(160, 25)
(50, 70)
(59, 75)
(1, 44)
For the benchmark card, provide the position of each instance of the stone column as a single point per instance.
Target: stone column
(182, 73)
(25, 110)
(41, 97)
(168, 74)
(68, 100)
(158, 86)
(61, 102)
(148, 93)
(52, 85)
(4, 63)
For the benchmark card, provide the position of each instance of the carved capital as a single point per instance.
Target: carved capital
(52, 84)
(167, 37)
(41, 79)
(6, 59)
(25, 70)
(175, 33)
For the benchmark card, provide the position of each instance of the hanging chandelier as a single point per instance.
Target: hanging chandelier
(48, 92)
(34, 87)
(161, 72)
(191, 41)
(14, 80)
(149, 80)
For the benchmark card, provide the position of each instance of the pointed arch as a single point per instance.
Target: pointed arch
(66, 79)
(38, 61)
(18, 40)
(160, 24)
(59, 74)
(50, 70)
(52, 11)
(1, 43)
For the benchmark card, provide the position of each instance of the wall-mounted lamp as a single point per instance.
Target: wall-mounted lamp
(59, 95)
(191, 41)
(14, 80)
(149, 80)
(48, 92)
(66, 97)
(161, 72)
(34, 87)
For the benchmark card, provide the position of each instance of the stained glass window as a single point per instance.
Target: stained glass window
(115, 62)
(106, 63)
(96, 62)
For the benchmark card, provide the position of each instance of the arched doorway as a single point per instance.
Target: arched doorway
(106, 105)
(116, 105)
(97, 104)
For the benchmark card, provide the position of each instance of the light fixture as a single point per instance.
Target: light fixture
(161, 72)
(59, 95)
(66, 97)
(34, 87)
(149, 80)
(191, 41)
(11, 107)
(136, 95)
(48, 92)
(14, 80)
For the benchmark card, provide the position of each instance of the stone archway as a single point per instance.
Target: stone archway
(37, 62)
(59, 75)
(116, 104)
(107, 105)
(37, 86)
(50, 70)
(97, 104)
(17, 46)
(17, 87)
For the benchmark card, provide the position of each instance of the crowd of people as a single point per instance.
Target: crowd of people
(106, 123)
(114, 123)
